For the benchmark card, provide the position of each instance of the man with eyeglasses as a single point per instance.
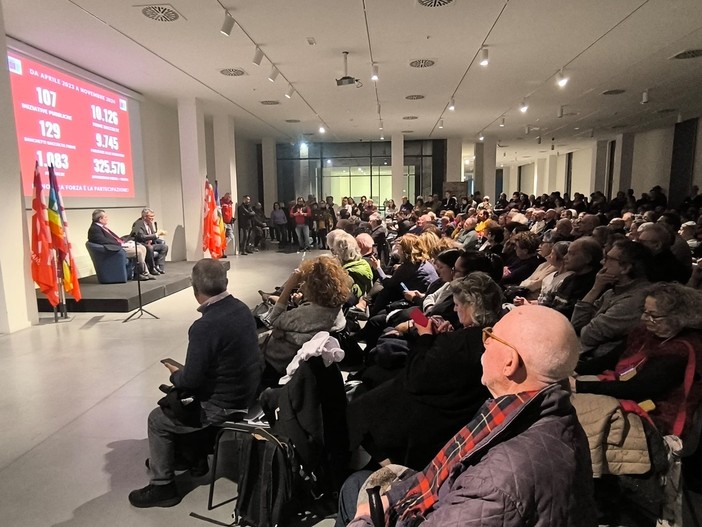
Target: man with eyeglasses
(522, 460)
(612, 307)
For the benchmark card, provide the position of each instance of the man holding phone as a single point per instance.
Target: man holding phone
(222, 371)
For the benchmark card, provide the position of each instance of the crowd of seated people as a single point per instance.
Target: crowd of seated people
(622, 272)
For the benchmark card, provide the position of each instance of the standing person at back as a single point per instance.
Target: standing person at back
(227, 206)
(246, 216)
(300, 213)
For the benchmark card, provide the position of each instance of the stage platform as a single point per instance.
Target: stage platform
(123, 298)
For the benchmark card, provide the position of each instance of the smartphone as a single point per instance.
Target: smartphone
(403, 286)
(172, 363)
(419, 317)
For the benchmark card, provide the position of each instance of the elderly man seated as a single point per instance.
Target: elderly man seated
(145, 231)
(522, 460)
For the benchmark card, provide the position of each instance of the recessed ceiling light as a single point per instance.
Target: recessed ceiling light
(270, 103)
(414, 97)
(407, 132)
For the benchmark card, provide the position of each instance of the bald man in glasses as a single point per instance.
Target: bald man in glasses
(522, 460)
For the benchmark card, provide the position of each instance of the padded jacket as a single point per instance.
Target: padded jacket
(533, 470)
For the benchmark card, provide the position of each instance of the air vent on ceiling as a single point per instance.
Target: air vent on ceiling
(270, 103)
(410, 117)
(232, 72)
(689, 54)
(422, 63)
(613, 92)
(414, 97)
(434, 3)
(619, 126)
(407, 131)
(160, 13)
(666, 110)
(292, 121)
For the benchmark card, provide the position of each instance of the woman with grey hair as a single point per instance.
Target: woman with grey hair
(345, 248)
(410, 417)
(662, 361)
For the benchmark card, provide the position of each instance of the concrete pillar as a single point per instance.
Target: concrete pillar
(398, 169)
(18, 303)
(599, 166)
(540, 177)
(270, 173)
(623, 164)
(485, 153)
(191, 126)
(551, 176)
(454, 158)
(224, 143)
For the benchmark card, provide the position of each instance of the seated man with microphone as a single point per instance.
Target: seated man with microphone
(145, 231)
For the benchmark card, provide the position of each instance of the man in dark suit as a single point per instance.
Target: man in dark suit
(246, 215)
(99, 233)
(145, 231)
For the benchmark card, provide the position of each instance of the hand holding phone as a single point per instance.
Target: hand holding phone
(420, 319)
(403, 286)
(173, 363)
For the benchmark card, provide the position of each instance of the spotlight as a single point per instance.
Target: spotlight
(527, 129)
(290, 92)
(561, 79)
(227, 25)
(374, 72)
(502, 122)
(380, 126)
(644, 97)
(481, 137)
(452, 104)
(559, 113)
(322, 130)
(484, 59)
(523, 107)
(258, 56)
(273, 75)
(382, 139)
(441, 123)
(538, 139)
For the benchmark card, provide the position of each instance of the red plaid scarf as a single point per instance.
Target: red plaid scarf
(422, 496)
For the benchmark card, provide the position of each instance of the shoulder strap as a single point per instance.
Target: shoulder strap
(680, 419)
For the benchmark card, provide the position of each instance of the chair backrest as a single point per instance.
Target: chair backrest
(110, 266)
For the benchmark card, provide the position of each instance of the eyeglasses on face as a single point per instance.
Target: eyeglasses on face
(489, 333)
(647, 315)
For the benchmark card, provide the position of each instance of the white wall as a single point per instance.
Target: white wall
(560, 174)
(653, 153)
(582, 176)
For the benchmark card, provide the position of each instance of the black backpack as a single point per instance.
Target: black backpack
(265, 485)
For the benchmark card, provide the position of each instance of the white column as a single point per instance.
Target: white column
(540, 177)
(270, 173)
(225, 155)
(551, 175)
(598, 169)
(398, 169)
(191, 125)
(454, 158)
(18, 303)
(485, 165)
(623, 164)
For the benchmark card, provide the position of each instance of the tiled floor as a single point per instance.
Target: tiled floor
(74, 400)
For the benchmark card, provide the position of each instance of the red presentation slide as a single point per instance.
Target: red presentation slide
(80, 128)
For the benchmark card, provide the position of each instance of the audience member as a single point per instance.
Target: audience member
(246, 214)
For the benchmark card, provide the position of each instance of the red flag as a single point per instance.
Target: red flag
(43, 263)
(59, 237)
(211, 236)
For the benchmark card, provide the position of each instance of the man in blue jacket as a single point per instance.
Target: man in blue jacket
(222, 371)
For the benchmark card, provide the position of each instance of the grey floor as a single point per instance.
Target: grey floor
(73, 406)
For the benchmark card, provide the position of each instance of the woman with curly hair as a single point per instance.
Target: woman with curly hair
(325, 287)
(410, 417)
(662, 361)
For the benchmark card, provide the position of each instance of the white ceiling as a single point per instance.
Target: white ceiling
(602, 44)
